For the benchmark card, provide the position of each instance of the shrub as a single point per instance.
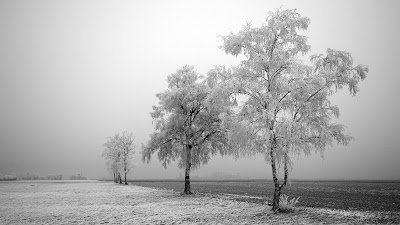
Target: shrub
(29, 176)
(9, 177)
(54, 177)
(286, 205)
(77, 177)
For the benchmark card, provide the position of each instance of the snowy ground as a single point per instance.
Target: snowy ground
(108, 203)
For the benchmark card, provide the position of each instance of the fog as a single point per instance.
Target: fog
(73, 73)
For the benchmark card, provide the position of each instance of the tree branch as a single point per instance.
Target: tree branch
(280, 69)
(171, 139)
(313, 94)
(308, 99)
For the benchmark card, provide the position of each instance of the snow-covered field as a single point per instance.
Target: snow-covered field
(94, 202)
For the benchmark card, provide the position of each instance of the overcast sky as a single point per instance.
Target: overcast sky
(74, 72)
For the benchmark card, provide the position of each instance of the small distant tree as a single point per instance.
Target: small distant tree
(126, 147)
(118, 151)
(187, 124)
(286, 109)
(113, 156)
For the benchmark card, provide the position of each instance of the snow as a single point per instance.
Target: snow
(109, 203)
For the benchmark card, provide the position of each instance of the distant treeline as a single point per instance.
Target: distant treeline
(30, 176)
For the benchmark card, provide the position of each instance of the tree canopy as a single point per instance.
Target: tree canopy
(183, 119)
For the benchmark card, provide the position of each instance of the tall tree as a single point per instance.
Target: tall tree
(286, 109)
(187, 124)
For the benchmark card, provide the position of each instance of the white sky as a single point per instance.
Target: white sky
(74, 72)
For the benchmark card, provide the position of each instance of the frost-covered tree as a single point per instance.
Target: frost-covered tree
(118, 151)
(187, 124)
(113, 156)
(286, 109)
(126, 146)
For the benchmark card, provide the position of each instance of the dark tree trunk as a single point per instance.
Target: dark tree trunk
(187, 171)
(125, 161)
(115, 172)
(126, 183)
(277, 195)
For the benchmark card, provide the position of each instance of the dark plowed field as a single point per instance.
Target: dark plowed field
(347, 195)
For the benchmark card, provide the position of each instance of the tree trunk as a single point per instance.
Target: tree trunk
(285, 168)
(125, 159)
(187, 171)
(275, 201)
(126, 183)
(277, 190)
(278, 187)
(115, 173)
(120, 178)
